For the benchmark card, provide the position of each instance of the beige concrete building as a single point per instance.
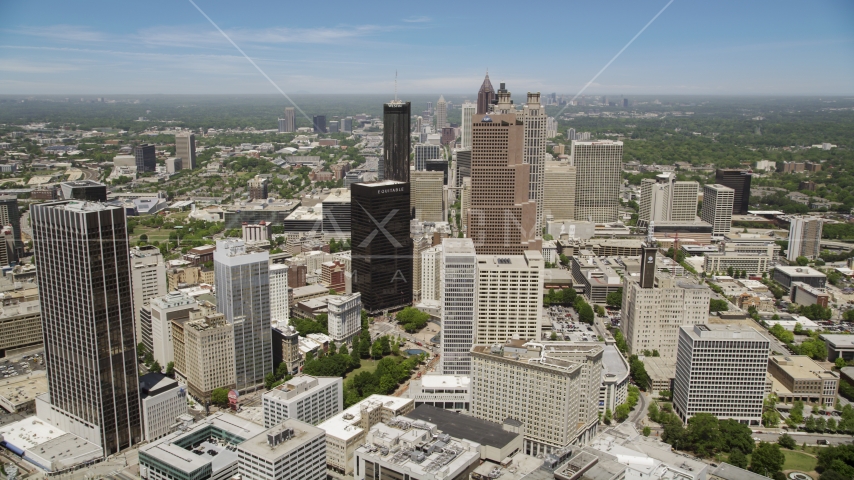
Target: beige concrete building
(465, 202)
(148, 277)
(598, 178)
(420, 243)
(431, 266)
(20, 319)
(752, 262)
(346, 431)
(652, 316)
(551, 388)
(717, 208)
(559, 191)
(798, 377)
(509, 297)
(204, 351)
(427, 195)
(179, 277)
(502, 220)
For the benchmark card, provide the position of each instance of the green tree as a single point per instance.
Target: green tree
(738, 459)
(155, 367)
(704, 435)
(615, 299)
(786, 441)
(621, 413)
(735, 435)
(606, 419)
(802, 261)
(553, 336)
(377, 350)
(646, 431)
(170, 369)
(586, 314)
(840, 363)
(767, 459)
(717, 305)
(219, 397)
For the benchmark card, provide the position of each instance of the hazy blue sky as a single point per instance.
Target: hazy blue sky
(694, 47)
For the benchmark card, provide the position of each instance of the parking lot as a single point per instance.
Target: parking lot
(22, 364)
(564, 322)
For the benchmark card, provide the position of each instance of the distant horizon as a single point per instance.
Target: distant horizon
(616, 47)
(402, 95)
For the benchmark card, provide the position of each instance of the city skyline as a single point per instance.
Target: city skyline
(55, 49)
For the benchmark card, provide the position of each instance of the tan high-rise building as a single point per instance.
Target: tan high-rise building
(552, 388)
(599, 173)
(664, 199)
(185, 149)
(535, 120)
(652, 316)
(258, 188)
(559, 191)
(508, 297)
(502, 220)
(148, 277)
(427, 194)
(465, 203)
(420, 243)
(431, 266)
(804, 238)
(717, 208)
(204, 351)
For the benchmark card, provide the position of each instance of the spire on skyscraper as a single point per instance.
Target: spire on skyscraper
(485, 95)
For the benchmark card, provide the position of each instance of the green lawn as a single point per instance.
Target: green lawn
(799, 461)
(367, 366)
(153, 234)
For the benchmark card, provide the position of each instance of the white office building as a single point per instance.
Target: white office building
(509, 297)
(717, 208)
(163, 401)
(308, 399)
(279, 308)
(163, 310)
(345, 317)
(450, 392)
(722, 370)
(458, 278)
(287, 451)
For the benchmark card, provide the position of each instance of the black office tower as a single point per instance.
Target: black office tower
(647, 267)
(319, 122)
(146, 159)
(381, 245)
(738, 180)
(86, 298)
(394, 164)
(438, 165)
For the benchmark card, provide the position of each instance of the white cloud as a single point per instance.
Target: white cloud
(416, 19)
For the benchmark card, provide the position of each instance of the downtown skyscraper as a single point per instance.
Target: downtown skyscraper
(243, 295)
(599, 173)
(84, 279)
(441, 114)
(381, 245)
(185, 149)
(394, 164)
(288, 123)
(501, 218)
(485, 96)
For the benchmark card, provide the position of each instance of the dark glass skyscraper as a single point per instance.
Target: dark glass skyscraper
(319, 122)
(381, 245)
(394, 164)
(146, 158)
(10, 215)
(84, 279)
(738, 180)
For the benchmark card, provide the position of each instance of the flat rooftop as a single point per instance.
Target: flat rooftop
(660, 368)
(307, 213)
(723, 332)
(345, 425)
(260, 444)
(29, 432)
(445, 381)
(838, 341)
(793, 271)
(613, 362)
(21, 389)
(458, 425)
